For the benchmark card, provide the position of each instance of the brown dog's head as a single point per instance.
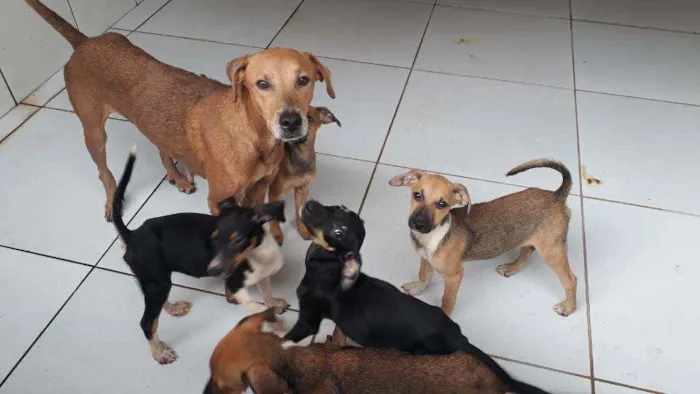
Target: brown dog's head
(243, 359)
(279, 84)
(431, 198)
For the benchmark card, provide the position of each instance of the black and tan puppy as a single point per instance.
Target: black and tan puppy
(298, 169)
(247, 357)
(371, 312)
(533, 219)
(233, 245)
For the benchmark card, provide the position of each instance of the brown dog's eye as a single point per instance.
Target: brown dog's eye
(442, 204)
(303, 81)
(418, 196)
(310, 118)
(262, 84)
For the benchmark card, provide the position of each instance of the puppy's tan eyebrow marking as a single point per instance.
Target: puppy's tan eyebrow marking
(215, 234)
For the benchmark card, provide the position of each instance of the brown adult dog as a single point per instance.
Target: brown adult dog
(298, 170)
(247, 357)
(444, 238)
(230, 135)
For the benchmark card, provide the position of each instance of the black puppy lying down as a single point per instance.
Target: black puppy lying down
(233, 245)
(370, 311)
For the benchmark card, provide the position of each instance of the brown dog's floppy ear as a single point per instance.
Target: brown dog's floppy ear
(322, 74)
(327, 116)
(235, 69)
(406, 178)
(263, 380)
(461, 195)
(270, 211)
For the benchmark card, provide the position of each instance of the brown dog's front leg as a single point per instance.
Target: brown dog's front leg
(301, 194)
(276, 193)
(453, 281)
(424, 275)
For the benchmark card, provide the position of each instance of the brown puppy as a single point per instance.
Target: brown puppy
(298, 170)
(247, 357)
(444, 238)
(230, 135)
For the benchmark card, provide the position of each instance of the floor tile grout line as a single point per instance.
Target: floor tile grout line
(529, 364)
(149, 18)
(2, 140)
(396, 111)
(284, 24)
(571, 18)
(189, 38)
(642, 206)
(75, 20)
(48, 256)
(628, 386)
(92, 268)
(12, 95)
(120, 18)
(638, 98)
(589, 331)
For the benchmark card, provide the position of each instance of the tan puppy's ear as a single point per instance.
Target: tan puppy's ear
(262, 380)
(322, 74)
(235, 69)
(407, 178)
(461, 195)
(327, 116)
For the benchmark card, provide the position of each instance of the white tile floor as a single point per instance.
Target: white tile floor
(469, 88)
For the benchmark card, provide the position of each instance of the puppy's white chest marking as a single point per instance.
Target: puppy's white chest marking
(265, 261)
(427, 244)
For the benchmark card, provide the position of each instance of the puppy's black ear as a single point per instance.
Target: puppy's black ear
(327, 116)
(226, 205)
(271, 211)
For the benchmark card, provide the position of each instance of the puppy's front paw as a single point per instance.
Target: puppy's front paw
(414, 288)
(279, 304)
(507, 270)
(564, 308)
(108, 213)
(163, 353)
(177, 309)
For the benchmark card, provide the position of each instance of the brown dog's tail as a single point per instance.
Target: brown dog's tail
(70, 33)
(565, 187)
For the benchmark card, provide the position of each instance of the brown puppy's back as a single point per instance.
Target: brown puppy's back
(367, 370)
(507, 222)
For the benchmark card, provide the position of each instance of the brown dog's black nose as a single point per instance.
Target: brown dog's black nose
(419, 222)
(290, 121)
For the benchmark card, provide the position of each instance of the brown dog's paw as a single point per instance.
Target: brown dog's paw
(182, 184)
(507, 270)
(163, 353)
(564, 309)
(303, 232)
(178, 309)
(414, 288)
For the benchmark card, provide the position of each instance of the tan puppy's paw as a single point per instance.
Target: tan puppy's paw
(108, 212)
(279, 304)
(163, 353)
(177, 309)
(508, 270)
(414, 288)
(564, 308)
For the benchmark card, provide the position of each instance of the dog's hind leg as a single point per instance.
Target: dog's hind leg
(93, 116)
(555, 254)
(155, 295)
(513, 268)
(183, 183)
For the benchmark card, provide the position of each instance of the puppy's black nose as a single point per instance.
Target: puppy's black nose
(290, 121)
(419, 223)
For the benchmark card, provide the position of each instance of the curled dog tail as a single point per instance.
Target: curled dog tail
(565, 187)
(118, 201)
(70, 33)
(512, 384)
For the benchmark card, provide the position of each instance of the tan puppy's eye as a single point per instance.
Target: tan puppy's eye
(303, 81)
(418, 196)
(310, 118)
(262, 84)
(441, 204)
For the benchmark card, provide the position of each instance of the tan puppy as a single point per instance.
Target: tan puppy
(230, 135)
(247, 357)
(298, 169)
(533, 219)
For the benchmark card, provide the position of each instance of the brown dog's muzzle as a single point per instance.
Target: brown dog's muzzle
(421, 220)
